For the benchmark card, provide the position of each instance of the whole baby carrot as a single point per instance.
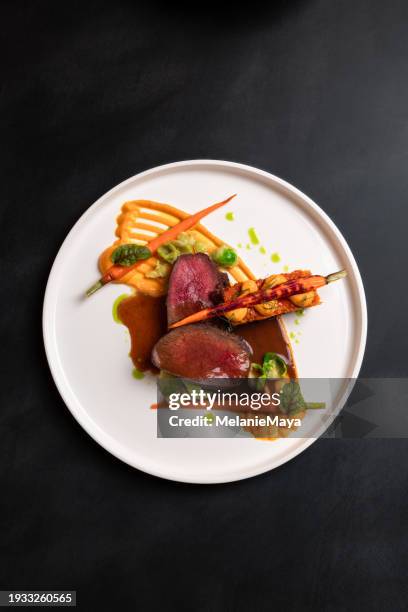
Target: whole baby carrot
(285, 290)
(116, 271)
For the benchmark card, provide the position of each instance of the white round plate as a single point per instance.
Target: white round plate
(88, 352)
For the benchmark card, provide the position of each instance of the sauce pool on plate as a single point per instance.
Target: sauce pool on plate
(146, 319)
(267, 336)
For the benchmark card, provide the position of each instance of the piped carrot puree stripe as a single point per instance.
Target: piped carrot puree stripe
(131, 227)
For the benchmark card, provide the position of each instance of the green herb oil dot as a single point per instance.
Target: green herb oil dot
(262, 250)
(286, 268)
(115, 307)
(275, 257)
(137, 374)
(239, 245)
(229, 216)
(253, 236)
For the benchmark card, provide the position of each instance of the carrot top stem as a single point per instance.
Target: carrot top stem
(94, 288)
(336, 276)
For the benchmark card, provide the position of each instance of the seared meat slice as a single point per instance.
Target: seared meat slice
(202, 351)
(195, 283)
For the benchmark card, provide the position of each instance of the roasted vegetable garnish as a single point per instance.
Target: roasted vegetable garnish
(303, 300)
(305, 283)
(240, 315)
(268, 308)
(168, 252)
(273, 367)
(264, 310)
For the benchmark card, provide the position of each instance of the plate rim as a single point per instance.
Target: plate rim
(103, 438)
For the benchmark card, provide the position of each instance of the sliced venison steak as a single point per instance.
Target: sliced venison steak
(202, 351)
(195, 283)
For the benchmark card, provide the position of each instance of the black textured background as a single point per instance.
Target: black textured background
(315, 91)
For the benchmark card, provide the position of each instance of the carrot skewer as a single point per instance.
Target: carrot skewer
(285, 290)
(116, 271)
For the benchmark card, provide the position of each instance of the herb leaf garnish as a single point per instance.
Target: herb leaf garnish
(128, 254)
(292, 402)
(291, 399)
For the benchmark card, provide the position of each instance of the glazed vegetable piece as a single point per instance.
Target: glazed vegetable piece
(264, 311)
(184, 244)
(273, 367)
(168, 252)
(285, 290)
(116, 271)
(239, 314)
(303, 300)
(266, 308)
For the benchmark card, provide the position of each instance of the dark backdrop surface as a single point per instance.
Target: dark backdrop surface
(314, 91)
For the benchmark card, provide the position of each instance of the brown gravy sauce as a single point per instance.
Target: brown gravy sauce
(146, 319)
(267, 336)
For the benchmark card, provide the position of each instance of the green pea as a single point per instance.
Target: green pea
(225, 256)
